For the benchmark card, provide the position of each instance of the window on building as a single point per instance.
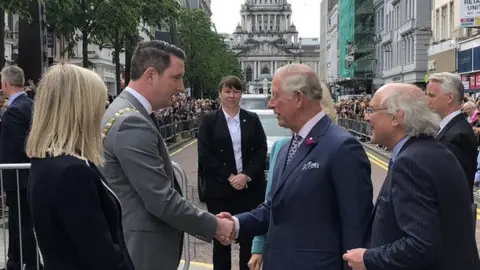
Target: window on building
(444, 21)
(451, 19)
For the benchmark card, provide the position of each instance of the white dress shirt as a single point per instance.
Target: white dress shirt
(233, 124)
(447, 119)
(141, 99)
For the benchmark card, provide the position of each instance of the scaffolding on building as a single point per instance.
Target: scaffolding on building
(356, 36)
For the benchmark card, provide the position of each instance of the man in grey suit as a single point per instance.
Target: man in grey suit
(138, 167)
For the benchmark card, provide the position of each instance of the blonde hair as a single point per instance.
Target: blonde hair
(327, 103)
(69, 105)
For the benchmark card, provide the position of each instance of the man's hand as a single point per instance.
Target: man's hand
(239, 181)
(354, 258)
(225, 229)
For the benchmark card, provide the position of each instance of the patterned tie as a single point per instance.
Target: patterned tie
(293, 147)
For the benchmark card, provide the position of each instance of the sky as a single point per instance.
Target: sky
(226, 16)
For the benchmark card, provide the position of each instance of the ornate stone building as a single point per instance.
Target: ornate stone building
(266, 39)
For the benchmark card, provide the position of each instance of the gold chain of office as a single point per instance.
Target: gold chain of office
(114, 118)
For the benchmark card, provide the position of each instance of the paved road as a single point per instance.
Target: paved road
(201, 251)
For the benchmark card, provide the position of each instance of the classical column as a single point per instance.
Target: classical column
(274, 22)
(254, 70)
(269, 20)
(271, 68)
(286, 22)
(256, 22)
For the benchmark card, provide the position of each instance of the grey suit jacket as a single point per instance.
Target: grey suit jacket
(139, 170)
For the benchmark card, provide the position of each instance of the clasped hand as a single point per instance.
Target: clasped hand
(225, 229)
(238, 181)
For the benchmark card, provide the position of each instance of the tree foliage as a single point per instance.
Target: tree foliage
(78, 20)
(19, 7)
(113, 30)
(208, 58)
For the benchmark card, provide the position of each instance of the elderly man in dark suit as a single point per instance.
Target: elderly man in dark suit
(15, 126)
(421, 219)
(321, 196)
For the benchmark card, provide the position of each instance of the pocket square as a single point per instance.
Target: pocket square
(310, 165)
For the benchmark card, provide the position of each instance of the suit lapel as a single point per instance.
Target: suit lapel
(244, 129)
(449, 125)
(303, 150)
(223, 126)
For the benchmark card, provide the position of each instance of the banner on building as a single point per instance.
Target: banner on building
(469, 13)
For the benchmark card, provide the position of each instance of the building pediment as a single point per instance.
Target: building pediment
(265, 49)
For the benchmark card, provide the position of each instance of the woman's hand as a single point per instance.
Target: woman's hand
(255, 262)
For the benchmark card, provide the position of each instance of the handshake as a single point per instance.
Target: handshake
(226, 231)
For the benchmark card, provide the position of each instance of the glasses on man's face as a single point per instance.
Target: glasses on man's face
(370, 110)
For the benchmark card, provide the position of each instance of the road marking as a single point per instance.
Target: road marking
(380, 163)
(204, 265)
(183, 148)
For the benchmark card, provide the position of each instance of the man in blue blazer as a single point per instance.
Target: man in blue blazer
(15, 126)
(422, 218)
(321, 198)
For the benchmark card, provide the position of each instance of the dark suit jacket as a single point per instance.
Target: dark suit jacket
(217, 161)
(77, 219)
(459, 138)
(15, 126)
(422, 218)
(318, 205)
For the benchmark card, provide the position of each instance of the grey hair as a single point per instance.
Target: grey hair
(418, 119)
(13, 75)
(449, 83)
(302, 78)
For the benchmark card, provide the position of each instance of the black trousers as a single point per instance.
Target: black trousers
(29, 246)
(222, 255)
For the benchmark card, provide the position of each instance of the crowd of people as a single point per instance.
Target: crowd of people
(185, 108)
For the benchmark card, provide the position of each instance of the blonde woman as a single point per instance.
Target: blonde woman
(327, 103)
(77, 219)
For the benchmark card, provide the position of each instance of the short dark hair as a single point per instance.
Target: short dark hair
(154, 53)
(232, 82)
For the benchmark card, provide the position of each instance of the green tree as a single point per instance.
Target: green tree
(122, 22)
(208, 58)
(15, 6)
(78, 20)
(154, 13)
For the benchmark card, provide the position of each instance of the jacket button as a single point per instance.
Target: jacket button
(221, 150)
(224, 163)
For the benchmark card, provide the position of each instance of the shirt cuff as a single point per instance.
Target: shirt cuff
(237, 226)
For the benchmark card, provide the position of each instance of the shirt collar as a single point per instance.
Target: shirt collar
(14, 96)
(141, 99)
(398, 147)
(448, 118)
(236, 117)
(305, 130)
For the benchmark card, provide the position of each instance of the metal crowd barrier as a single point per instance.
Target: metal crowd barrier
(184, 129)
(5, 217)
(358, 128)
(180, 175)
